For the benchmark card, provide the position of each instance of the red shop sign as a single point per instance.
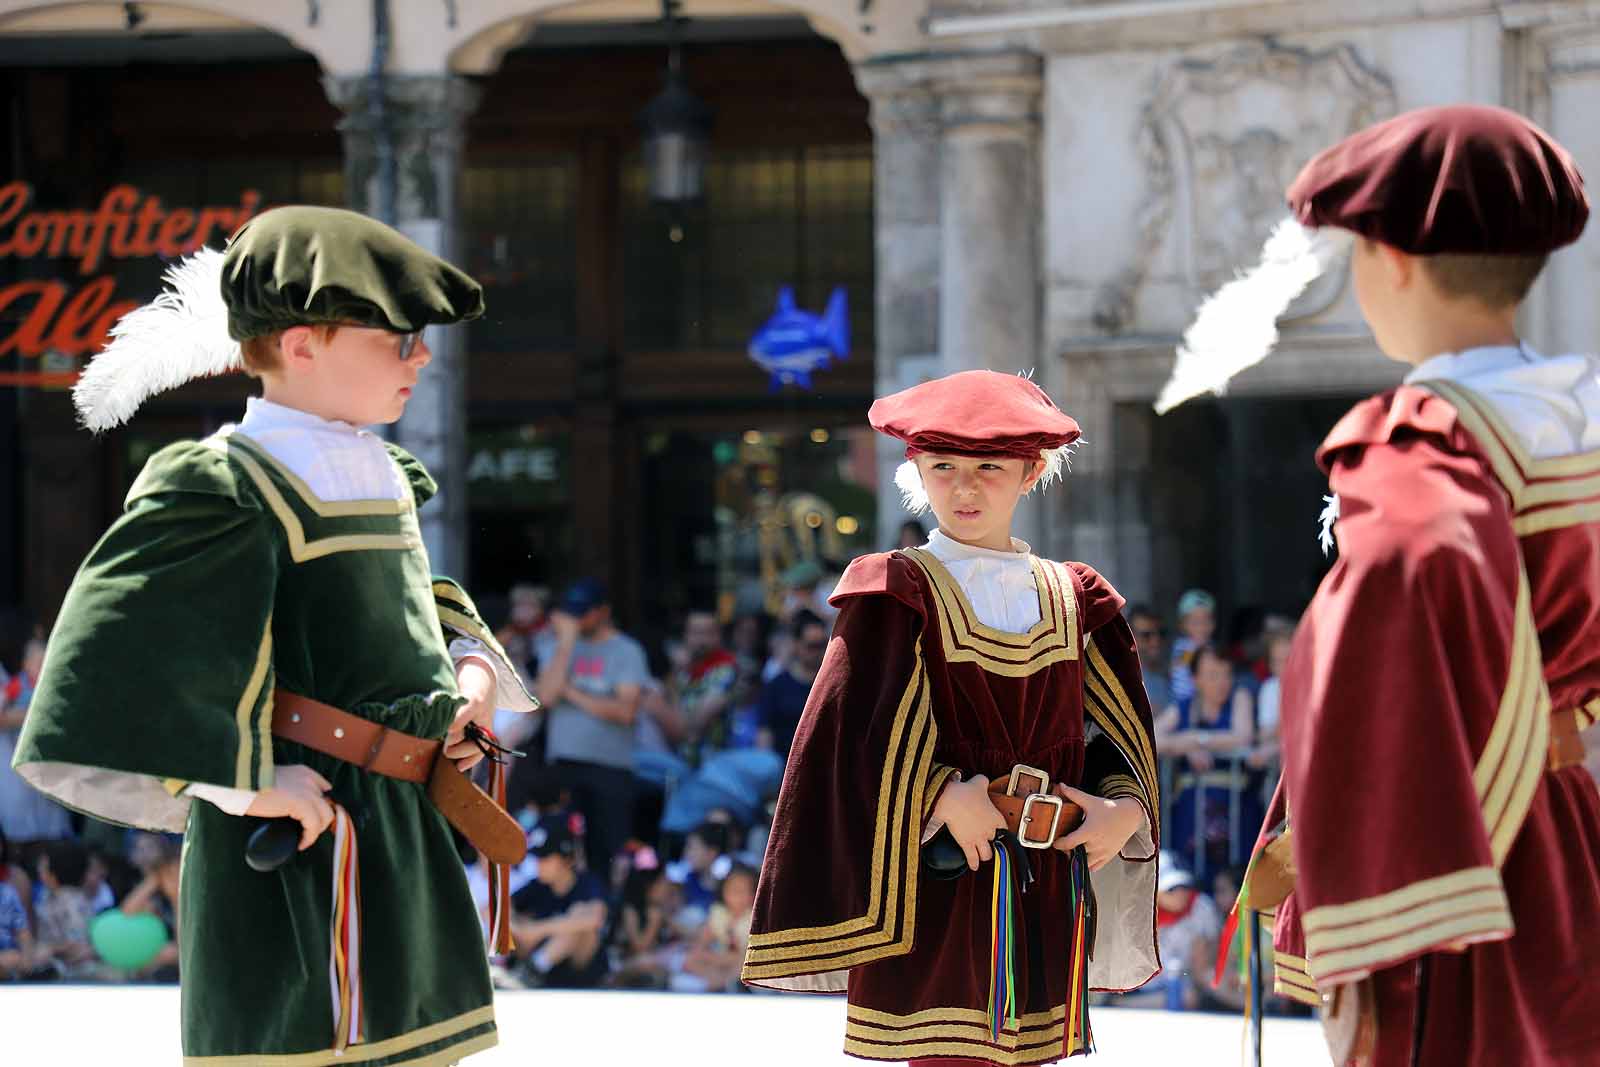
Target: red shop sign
(72, 318)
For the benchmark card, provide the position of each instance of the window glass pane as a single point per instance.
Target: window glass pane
(519, 222)
(729, 513)
(707, 275)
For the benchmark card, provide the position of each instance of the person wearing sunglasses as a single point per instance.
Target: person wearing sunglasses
(260, 631)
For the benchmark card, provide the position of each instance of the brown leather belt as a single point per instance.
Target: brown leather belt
(369, 745)
(376, 748)
(1035, 816)
(1566, 741)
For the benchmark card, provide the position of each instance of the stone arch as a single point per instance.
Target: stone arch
(286, 20)
(886, 26)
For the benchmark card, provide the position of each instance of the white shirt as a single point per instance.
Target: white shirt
(998, 584)
(338, 462)
(1551, 402)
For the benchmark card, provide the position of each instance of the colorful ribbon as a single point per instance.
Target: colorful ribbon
(1078, 1037)
(344, 959)
(1002, 948)
(500, 940)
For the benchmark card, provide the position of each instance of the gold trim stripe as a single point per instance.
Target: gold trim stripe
(1365, 935)
(780, 961)
(300, 549)
(1508, 772)
(1327, 942)
(326, 509)
(1053, 639)
(257, 740)
(880, 932)
(1104, 693)
(1288, 983)
(1044, 1052)
(1533, 483)
(393, 1046)
(1332, 916)
(1121, 785)
(1589, 714)
(975, 1032)
(913, 694)
(941, 774)
(1365, 959)
(974, 1016)
(1535, 522)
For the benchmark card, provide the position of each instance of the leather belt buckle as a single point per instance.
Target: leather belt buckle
(1022, 769)
(1055, 804)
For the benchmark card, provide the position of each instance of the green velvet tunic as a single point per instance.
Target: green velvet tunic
(226, 576)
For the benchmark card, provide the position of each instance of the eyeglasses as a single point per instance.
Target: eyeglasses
(408, 345)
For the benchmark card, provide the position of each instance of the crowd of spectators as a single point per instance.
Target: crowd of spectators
(647, 796)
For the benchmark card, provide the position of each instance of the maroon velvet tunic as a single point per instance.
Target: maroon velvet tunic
(1463, 611)
(914, 688)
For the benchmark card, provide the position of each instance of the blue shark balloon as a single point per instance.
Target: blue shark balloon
(793, 344)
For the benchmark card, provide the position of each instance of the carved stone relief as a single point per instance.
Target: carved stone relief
(1220, 140)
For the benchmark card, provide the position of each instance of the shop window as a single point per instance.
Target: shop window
(728, 515)
(519, 223)
(706, 275)
(519, 494)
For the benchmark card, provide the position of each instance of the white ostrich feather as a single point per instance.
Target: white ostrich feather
(177, 337)
(1328, 518)
(1237, 325)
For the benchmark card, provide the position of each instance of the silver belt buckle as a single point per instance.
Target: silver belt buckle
(1054, 802)
(1032, 772)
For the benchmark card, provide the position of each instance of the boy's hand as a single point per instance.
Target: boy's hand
(971, 817)
(1106, 826)
(477, 683)
(298, 794)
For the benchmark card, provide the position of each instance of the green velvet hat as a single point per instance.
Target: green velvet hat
(292, 266)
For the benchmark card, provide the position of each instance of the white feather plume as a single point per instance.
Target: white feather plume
(177, 337)
(1237, 325)
(1328, 520)
(907, 479)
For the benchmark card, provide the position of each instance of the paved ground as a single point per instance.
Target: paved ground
(51, 1025)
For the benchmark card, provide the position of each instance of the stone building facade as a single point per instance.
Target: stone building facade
(1058, 183)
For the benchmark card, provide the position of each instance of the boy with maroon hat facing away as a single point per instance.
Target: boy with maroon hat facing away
(1441, 856)
(978, 707)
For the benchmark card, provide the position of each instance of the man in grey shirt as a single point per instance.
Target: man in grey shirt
(590, 678)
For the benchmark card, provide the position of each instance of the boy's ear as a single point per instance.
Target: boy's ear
(1031, 479)
(1400, 269)
(295, 346)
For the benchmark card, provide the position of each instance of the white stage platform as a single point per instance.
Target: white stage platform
(137, 1026)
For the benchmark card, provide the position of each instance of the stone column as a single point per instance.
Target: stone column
(1561, 67)
(906, 135)
(426, 115)
(989, 277)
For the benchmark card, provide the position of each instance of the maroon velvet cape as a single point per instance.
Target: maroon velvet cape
(913, 689)
(1464, 608)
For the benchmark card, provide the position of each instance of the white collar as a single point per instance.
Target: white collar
(1454, 366)
(947, 548)
(261, 414)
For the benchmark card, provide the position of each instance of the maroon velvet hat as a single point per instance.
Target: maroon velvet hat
(974, 413)
(1463, 179)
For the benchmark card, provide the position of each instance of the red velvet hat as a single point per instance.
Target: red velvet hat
(1463, 179)
(974, 413)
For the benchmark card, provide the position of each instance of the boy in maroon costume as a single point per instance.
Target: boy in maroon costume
(1445, 838)
(965, 677)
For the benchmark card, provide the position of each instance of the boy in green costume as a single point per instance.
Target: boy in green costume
(278, 560)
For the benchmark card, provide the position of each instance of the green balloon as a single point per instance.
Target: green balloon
(127, 941)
